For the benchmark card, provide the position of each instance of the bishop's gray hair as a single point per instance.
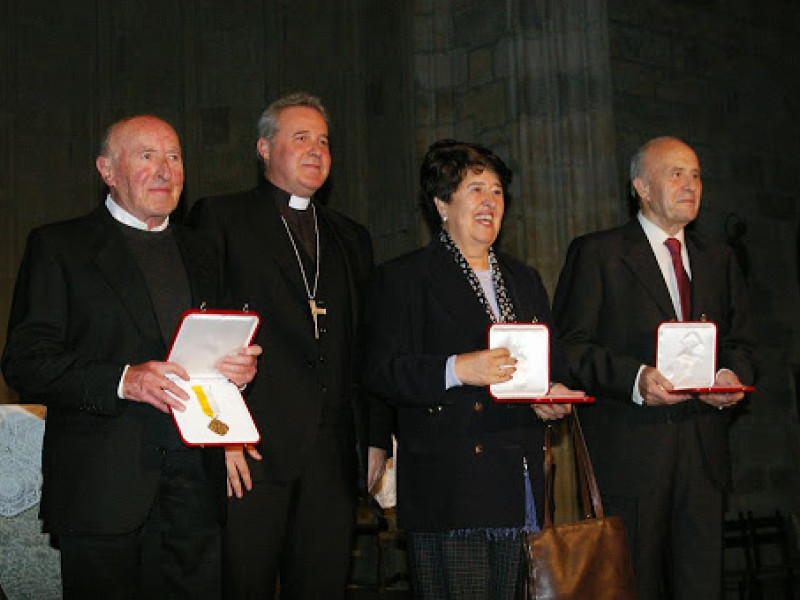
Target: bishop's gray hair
(268, 121)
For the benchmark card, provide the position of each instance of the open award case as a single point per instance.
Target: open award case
(216, 414)
(686, 354)
(529, 343)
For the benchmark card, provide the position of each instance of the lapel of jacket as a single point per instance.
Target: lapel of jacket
(639, 258)
(347, 247)
(201, 267)
(704, 276)
(452, 289)
(274, 252)
(275, 262)
(119, 268)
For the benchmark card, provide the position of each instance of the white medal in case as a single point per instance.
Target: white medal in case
(216, 413)
(529, 343)
(686, 354)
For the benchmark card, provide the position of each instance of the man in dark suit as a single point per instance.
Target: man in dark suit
(97, 300)
(661, 458)
(291, 512)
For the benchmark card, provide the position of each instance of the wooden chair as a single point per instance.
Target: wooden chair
(377, 540)
(739, 567)
(366, 559)
(391, 541)
(774, 571)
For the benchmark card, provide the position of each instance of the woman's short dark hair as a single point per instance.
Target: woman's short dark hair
(444, 167)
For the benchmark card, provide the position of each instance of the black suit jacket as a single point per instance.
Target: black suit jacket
(261, 269)
(610, 299)
(81, 312)
(459, 453)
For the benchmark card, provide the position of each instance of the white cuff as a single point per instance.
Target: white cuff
(119, 386)
(636, 395)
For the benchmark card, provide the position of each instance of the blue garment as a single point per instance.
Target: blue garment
(531, 522)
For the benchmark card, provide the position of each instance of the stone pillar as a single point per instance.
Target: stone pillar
(530, 79)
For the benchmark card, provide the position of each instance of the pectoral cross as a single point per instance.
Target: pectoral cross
(315, 312)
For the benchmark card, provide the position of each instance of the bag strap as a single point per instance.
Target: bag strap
(548, 477)
(590, 494)
(582, 452)
(583, 480)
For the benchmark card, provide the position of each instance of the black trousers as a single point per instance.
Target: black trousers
(175, 554)
(298, 532)
(674, 527)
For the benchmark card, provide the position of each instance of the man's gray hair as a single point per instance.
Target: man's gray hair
(637, 160)
(268, 122)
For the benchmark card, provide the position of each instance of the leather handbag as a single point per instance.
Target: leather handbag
(584, 560)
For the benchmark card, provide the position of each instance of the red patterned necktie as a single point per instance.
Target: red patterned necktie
(684, 284)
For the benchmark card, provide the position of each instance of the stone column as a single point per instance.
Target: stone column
(530, 79)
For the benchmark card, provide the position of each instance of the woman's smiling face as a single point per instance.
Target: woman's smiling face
(475, 212)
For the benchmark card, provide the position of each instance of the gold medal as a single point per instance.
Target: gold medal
(215, 424)
(218, 426)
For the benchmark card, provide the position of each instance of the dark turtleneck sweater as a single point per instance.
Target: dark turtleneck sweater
(161, 264)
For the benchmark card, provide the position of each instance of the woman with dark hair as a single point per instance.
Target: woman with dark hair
(469, 470)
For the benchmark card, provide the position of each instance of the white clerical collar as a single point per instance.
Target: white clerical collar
(298, 203)
(126, 218)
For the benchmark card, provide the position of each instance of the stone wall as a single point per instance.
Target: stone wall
(725, 77)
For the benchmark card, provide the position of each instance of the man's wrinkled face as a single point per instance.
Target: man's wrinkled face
(671, 185)
(144, 169)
